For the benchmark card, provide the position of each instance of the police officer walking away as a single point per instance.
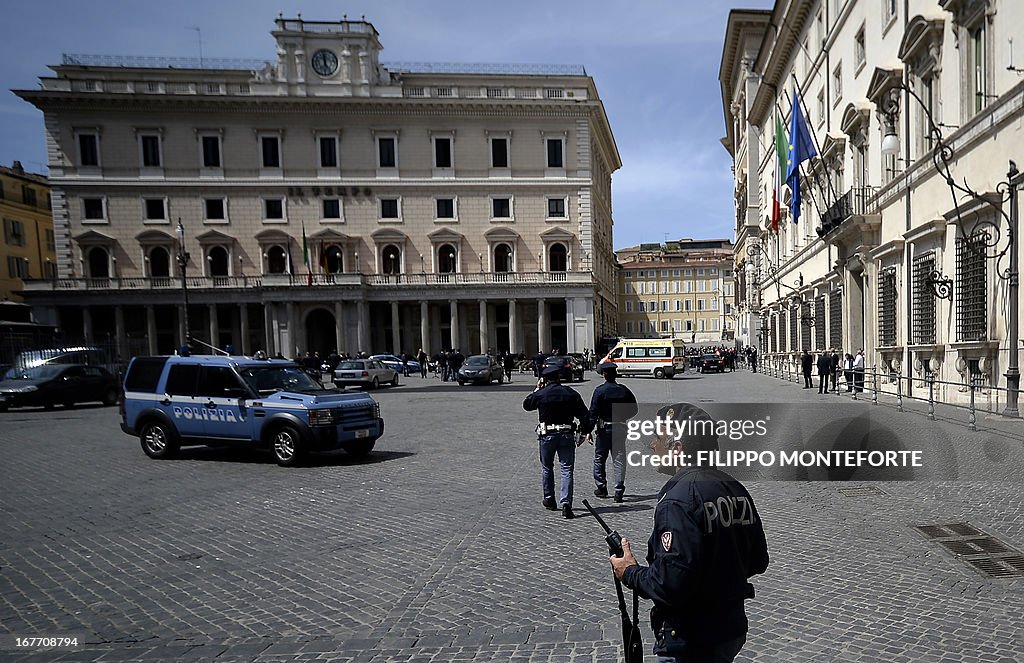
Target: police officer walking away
(608, 420)
(707, 542)
(557, 407)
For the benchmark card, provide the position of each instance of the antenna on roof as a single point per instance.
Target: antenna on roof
(199, 37)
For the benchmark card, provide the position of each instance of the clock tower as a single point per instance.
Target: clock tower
(327, 58)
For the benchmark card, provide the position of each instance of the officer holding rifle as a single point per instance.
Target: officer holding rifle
(707, 542)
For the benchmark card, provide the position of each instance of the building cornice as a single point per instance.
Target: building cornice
(778, 48)
(361, 182)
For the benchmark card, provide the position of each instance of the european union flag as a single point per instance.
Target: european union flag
(801, 148)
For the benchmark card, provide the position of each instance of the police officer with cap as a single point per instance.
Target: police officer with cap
(611, 405)
(707, 542)
(557, 407)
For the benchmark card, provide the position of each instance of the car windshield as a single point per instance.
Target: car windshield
(351, 366)
(554, 361)
(478, 361)
(710, 357)
(36, 373)
(271, 379)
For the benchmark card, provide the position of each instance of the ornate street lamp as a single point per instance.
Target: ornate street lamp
(183, 258)
(943, 157)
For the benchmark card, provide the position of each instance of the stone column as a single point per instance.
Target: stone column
(425, 326)
(268, 330)
(513, 341)
(454, 305)
(119, 339)
(543, 331)
(396, 329)
(570, 326)
(151, 329)
(243, 324)
(339, 327)
(484, 336)
(362, 330)
(181, 327)
(87, 325)
(214, 327)
(292, 348)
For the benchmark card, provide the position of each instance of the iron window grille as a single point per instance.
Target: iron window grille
(819, 321)
(887, 308)
(794, 340)
(972, 286)
(835, 319)
(923, 312)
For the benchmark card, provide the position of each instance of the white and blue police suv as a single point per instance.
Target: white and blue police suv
(170, 402)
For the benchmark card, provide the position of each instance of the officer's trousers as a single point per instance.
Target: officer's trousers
(604, 444)
(723, 652)
(565, 446)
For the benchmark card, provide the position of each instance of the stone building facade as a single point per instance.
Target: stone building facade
(883, 257)
(683, 289)
(329, 200)
(28, 248)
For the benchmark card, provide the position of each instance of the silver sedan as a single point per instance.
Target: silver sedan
(366, 373)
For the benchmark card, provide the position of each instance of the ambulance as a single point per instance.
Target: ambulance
(657, 357)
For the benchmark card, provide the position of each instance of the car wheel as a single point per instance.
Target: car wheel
(287, 446)
(394, 382)
(68, 405)
(158, 440)
(110, 397)
(375, 384)
(462, 383)
(47, 406)
(360, 449)
(501, 378)
(659, 373)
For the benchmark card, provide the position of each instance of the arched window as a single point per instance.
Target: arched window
(391, 259)
(99, 263)
(447, 259)
(503, 258)
(277, 260)
(558, 258)
(159, 262)
(334, 260)
(217, 259)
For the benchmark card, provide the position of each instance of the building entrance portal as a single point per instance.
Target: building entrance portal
(321, 331)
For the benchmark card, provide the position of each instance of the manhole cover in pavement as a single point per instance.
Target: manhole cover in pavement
(861, 491)
(984, 553)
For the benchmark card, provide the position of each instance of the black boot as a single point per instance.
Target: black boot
(567, 512)
(601, 492)
(550, 504)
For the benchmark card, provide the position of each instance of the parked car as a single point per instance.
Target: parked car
(571, 369)
(394, 362)
(480, 369)
(366, 373)
(51, 384)
(170, 402)
(711, 363)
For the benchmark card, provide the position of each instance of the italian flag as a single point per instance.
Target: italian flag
(781, 156)
(305, 258)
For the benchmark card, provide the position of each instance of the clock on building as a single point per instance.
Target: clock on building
(325, 62)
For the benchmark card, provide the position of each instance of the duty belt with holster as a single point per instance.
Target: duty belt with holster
(549, 429)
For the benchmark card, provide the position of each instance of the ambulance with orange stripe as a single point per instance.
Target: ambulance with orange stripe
(657, 357)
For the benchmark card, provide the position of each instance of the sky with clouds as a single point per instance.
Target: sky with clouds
(655, 63)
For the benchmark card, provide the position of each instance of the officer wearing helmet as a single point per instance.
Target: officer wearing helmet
(558, 407)
(707, 542)
(611, 405)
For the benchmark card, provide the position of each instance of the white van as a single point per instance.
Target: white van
(659, 357)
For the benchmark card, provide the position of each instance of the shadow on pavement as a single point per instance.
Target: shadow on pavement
(229, 454)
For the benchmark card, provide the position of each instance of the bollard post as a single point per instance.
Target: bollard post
(899, 392)
(972, 417)
(931, 396)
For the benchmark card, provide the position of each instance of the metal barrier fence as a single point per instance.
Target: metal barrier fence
(979, 397)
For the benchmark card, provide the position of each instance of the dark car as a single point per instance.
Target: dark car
(571, 368)
(711, 363)
(480, 369)
(52, 384)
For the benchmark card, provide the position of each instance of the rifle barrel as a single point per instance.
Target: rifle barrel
(597, 516)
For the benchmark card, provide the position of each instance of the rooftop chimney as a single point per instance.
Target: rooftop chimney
(17, 168)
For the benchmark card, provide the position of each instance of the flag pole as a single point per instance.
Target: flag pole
(810, 191)
(817, 146)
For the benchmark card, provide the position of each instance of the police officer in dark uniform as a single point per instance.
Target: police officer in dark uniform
(707, 542)
(611, 405)
(558, 406)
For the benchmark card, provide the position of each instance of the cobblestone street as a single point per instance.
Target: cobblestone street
(436, 548)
